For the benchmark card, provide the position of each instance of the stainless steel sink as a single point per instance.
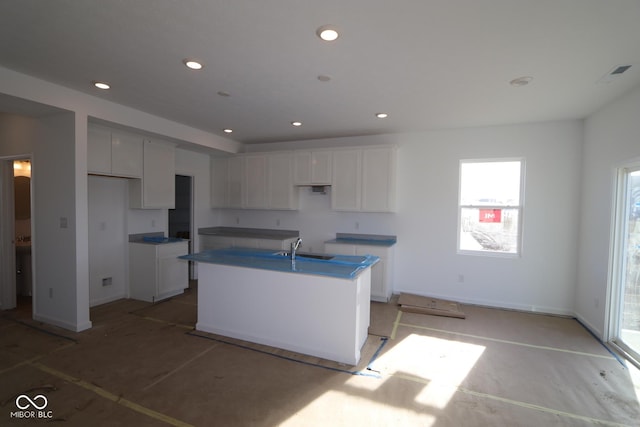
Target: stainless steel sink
(307, 255)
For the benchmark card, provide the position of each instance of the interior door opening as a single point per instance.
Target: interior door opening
(17, 285)
(181, 218)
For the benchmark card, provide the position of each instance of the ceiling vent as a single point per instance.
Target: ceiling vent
(614, 74)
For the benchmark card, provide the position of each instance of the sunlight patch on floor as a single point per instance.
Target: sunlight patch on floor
(441, 364)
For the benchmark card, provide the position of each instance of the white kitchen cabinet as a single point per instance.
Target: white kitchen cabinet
(346, 191)
(156, 189)
(255, 181)
(381, 273)
(378, 179)
(312, 167)
(235, 182)
(281, 193)
(114, 153)
(219, 182)
(364, 179)
(156, 272)
(99, 150)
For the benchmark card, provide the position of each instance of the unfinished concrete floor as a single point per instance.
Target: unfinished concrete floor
(144, 365)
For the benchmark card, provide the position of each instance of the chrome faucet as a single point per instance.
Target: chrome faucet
(294, 247)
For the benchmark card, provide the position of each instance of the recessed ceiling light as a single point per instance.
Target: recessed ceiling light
(227, 130)
(296, 124)
(382, 115)
(224, 93)
(194, 65)
(102, 85)
(521, 81)
(327, 33)
(324, 78)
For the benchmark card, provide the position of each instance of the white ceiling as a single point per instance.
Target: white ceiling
(429, 64)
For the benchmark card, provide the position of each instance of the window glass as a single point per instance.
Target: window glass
(490, 208)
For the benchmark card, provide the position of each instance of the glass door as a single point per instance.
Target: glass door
(627, 263)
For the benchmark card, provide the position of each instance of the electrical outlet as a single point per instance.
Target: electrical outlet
(237, 220)
(357, 225)
(460, 278)
(50, 292)
(64, 222)
(153, 223)
(278, 222)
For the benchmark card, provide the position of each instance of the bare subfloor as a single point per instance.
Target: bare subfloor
(144, 365)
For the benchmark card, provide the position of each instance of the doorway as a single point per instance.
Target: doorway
(181, 218)
(625, 281)
(16, 288)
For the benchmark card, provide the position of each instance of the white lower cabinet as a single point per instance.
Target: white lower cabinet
(156, 272)
(381, 273)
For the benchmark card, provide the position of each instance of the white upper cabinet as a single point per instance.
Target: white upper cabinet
(253, 181)
(114, 153)
(312, 167)
(364, 179)
(281, 192)
(126, 155)
(256, 181)
(219, 182)
(235, 182)
(346, 191)
(379, 179)
(99, 150)
(156, 189)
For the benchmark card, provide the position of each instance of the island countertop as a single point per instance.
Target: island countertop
(340, 266)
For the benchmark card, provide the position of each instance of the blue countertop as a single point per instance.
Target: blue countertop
(340, 266)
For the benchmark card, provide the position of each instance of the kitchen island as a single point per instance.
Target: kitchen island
(318, 307)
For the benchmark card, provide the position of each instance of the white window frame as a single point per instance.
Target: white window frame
(519, 208)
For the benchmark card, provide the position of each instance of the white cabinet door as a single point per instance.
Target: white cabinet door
(256, 181)
(321, 166)
(173, 273)
(378, 179)
(312, 167)
(219, 182)
(114, 153)
(99, 150)
(347, 180)
(235, 178)
(381, 273)
(126, 155)
(380, 280)
(156, 189)
(281, 192)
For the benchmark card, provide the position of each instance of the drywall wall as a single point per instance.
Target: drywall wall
(611, 140)
(61, 296)
(542, 279)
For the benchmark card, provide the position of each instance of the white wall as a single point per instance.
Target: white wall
(542, 279)
(612, 137)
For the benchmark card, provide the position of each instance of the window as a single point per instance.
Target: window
(490, 206)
